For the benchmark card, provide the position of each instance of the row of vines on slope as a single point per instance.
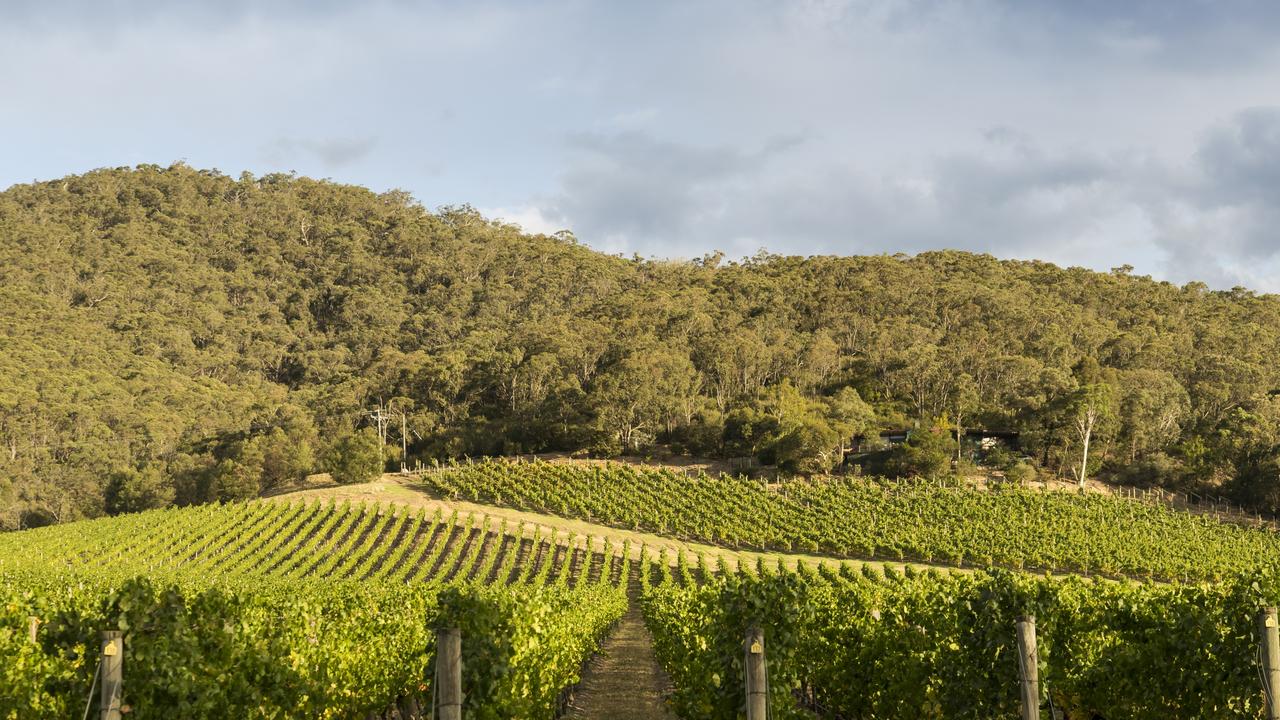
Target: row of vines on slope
(279, 610)
(317, 540)
(862, 518)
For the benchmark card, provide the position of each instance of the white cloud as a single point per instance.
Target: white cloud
(529, 218)
(1092, 132)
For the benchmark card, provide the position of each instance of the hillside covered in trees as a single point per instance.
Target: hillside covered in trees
(175, 335)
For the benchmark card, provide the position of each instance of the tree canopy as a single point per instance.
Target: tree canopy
(178, 333)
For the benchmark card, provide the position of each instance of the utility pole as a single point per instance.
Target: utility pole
(404, 441)
(383, 415)
(380, 416)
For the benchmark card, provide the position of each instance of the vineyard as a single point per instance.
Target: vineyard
(311, 541)
(872, 644)
(329, 609)
(860, 518)
(281, 610)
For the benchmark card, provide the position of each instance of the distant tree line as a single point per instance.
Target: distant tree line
(172, 335)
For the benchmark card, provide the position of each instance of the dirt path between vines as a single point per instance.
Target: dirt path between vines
(624, 681)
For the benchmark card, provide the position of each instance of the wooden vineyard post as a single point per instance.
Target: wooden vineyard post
(449, 673)
(757, 676)
(409, 708)
(1029, 667)
(112, 674)
(33, 627)
(1269, 637)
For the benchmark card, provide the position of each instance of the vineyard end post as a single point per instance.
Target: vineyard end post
(1029, 667)
(112, 677)
(449, 673)
(757, 677)
(1269, 637)
(33, 627)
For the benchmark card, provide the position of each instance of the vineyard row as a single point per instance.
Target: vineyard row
(872, 520)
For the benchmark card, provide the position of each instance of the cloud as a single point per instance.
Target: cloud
(1211, 218)
(1240, 158)
(634, 190)
(108, 14)
(332, 152)
(1094, 133)
(1218, 219)
(529, 218)
(1178, 36)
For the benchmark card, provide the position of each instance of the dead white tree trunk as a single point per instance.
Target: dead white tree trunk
(1085, 421)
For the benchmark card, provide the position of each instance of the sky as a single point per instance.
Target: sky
(1086, 132)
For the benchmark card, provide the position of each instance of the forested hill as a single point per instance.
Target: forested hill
(174, 335)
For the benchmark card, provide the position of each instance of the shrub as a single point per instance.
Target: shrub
(807, 448)
(134, 490)
(926, 453)
(355, 458)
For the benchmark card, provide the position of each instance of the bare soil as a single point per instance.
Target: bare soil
(624, 680)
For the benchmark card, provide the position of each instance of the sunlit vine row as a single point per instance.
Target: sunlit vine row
(880, 520)
(909, 645)
(282, 610)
